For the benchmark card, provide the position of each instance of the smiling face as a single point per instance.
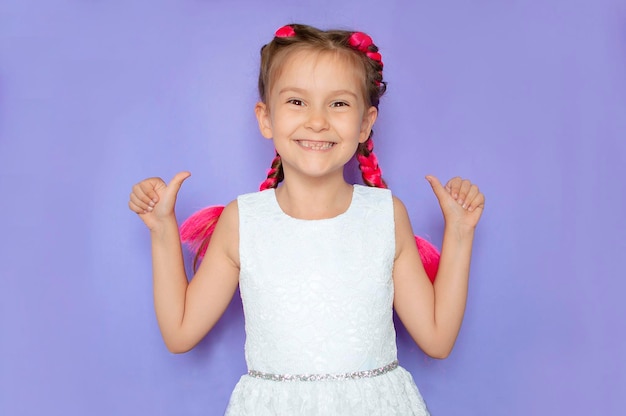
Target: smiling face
(316, 113)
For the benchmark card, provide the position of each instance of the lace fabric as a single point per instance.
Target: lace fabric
(317, 297)
(391, 394)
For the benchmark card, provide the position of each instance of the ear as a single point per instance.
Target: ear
(367, 123)
(263, 118)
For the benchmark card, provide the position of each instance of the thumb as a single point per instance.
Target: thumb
(438, 189)
(177, 181)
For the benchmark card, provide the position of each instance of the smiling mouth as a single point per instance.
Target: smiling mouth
(315, 145)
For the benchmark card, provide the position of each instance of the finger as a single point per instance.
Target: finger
(463, 190)
(471, 195)
(149, 188)
(438, 189)
(138, 205)
(177, 181)
(477, 203)
(139, 193)
(137, 210)
(454, 185)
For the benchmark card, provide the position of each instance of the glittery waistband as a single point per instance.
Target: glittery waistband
(325, 377)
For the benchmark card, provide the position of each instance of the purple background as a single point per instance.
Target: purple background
(528, 99)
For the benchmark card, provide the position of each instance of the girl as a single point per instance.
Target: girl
(320, 263)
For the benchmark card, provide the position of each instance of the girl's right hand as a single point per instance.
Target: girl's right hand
(154, 200)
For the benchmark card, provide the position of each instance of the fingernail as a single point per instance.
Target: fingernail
(465, 206)
(460, 201)
(151, 203)
(150, 209)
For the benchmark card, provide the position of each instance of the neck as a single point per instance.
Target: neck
(314, 199)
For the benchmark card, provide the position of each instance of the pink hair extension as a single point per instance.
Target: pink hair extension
(286, 31)
(360, 41)
(372, 175)
(196, 231)
(274, 174)
(430, 257)
(363, 43)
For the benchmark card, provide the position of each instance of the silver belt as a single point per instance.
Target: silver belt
(325, 377)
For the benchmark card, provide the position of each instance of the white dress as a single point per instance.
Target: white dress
(317, 298)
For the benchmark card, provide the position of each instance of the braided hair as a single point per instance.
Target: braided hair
(196, 231)
(362, 51)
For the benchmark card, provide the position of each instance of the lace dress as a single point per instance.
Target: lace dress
(317, 297)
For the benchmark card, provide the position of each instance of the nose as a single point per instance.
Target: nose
(317, 119)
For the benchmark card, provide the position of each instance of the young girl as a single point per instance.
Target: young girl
(320, 263)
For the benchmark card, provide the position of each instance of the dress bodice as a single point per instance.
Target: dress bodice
(318, 294)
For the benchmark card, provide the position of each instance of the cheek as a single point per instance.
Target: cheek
(356, 123)
(286, 122)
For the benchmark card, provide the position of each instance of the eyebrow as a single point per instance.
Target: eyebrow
(303, 91)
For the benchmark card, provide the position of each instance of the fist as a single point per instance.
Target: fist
(154, 200)
(461, 201)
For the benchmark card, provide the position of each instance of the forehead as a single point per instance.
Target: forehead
(318, 69)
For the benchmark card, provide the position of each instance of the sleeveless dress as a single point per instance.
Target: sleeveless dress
(317, 298)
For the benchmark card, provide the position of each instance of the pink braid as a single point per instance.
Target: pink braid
(274, 174)
(363, 43)
(430, 257)
(360, 41)
(196, 231)
(372, 176)
(368, 163)
(286, 31)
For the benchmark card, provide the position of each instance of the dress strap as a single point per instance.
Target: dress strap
(325, 377)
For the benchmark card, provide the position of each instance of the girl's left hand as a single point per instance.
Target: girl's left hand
(461, 202)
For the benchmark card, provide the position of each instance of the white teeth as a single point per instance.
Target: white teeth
(315, 145)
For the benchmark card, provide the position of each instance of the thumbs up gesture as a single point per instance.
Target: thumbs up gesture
(461, 201)
(154, 200)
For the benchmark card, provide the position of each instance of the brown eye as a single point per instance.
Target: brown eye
(339, 104)
(295, 101)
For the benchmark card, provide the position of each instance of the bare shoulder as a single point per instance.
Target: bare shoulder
(398, 207)
(401, 216)
(226, 235)
(230, 215)
(403, 228)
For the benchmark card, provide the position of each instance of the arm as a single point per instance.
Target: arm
(433, 314)
(186, 312)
